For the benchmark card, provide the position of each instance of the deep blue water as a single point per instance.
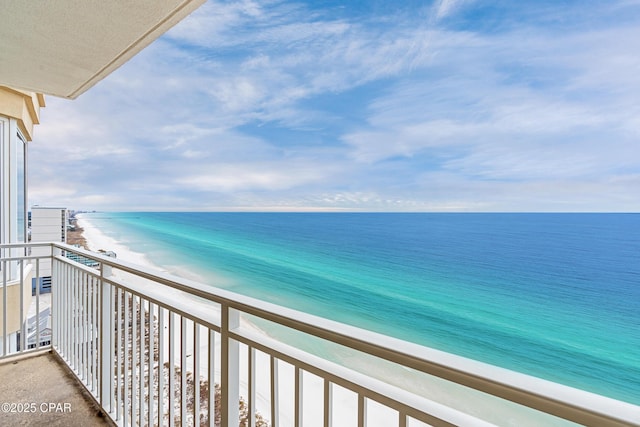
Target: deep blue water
(552, 295)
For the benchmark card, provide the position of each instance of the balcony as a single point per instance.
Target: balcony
(148, 348)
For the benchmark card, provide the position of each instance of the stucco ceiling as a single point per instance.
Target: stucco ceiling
(64, 47)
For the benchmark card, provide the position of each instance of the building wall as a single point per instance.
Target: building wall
(19, 112)
(48, 225)
(13, 301)
(13, 189)
(22, 106)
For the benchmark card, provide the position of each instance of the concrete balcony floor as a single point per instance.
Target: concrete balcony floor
(42, 385)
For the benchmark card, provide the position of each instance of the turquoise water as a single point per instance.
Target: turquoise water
(552, 295)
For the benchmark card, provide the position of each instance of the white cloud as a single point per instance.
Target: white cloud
(456, 119)
(445, 8)
(259, 176)
(283, 54)
(491, 120)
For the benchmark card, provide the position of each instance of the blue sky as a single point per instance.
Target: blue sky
(451, 105)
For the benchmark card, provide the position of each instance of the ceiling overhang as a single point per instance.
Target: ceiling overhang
(63, 48)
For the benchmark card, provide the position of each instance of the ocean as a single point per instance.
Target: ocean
(556, 296)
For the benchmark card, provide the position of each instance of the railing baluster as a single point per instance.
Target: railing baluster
(362, 410)
(53, 306)
(91, 355)
(298, 390)
(88, 309)
(230, 368)
(151, 347)
(96, 355)
(58, 315)
(57, 312)
(327, 403)
(134, 359)
(23, 324)
(76, 326)
(275, 422)
(212, 377)
(91, 363)
(125, 355)
(72, 317)
(66, 306)
(251, 386)
(97, 340)
(141, 324)
(196, 374)
(5, 338)
(118, 353)
(81, 324)
(161, 353)
(183, 370)
(172, 368)
(85, 324)
(70, 308)
(402, 419)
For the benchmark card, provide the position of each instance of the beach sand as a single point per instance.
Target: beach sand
(344, 405)
(76, 237)
(97, 241)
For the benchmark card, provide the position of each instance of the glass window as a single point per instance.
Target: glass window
(21, 169)
(3, 167)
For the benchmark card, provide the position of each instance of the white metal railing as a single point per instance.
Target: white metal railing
(21, 330)
(154, 349)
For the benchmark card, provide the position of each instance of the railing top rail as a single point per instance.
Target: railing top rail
(25, 245)
(566, 402)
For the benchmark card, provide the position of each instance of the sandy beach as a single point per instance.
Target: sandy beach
(97, 241)
(344, 402)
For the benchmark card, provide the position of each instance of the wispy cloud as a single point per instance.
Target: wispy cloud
(444, 8)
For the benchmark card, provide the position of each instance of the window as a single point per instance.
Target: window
(13, 188)
(21, 190)
(3, 168)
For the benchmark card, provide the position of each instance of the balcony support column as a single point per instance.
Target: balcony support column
(105, 351)
(230, 366)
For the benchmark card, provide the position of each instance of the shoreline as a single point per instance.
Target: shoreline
(76, 236)
(97, 240)
(343, 409)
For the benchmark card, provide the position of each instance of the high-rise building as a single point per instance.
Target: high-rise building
(48, 224)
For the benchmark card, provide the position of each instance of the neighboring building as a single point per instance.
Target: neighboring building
(48, 224)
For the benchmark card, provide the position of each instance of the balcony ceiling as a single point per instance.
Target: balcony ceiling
(63, 48)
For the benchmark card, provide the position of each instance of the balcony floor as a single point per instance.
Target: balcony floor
(44, 381)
